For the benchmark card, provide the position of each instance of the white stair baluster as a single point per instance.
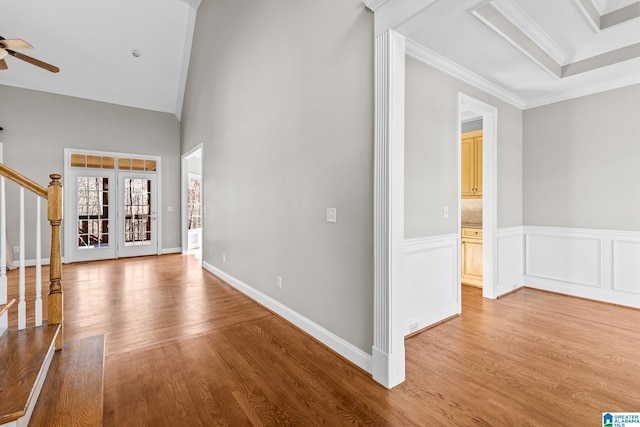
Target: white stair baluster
(38, 265)
(22, 303)
(3, 244)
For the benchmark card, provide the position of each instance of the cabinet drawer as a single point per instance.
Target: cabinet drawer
(473, 233)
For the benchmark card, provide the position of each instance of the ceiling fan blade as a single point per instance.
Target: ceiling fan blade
(33, 61)
(3, 53)
(15, 44)
(3, 65)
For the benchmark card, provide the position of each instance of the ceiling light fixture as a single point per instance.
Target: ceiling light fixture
(135, 53)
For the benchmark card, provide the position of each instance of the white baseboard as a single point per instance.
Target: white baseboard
(431, 281)
(32, 262)
(334, 342)
(165, 251)
(596, 264)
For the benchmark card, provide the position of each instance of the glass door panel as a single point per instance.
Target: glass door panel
(138, 214)
(92, 212)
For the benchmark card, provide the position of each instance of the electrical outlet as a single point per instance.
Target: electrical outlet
(331, 215)
(16, 249)
(445, 212)
(279, 282)
(413, 327)
(224, 257)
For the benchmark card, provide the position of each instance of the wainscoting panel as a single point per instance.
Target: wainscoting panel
(510, 259)
(564, 257)
(597, 264)
(431, 286)
(626, 266)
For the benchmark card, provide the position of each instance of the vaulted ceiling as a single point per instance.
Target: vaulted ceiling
(527, 52)
(92, 44)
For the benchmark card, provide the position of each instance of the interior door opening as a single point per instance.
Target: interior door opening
(192, 206)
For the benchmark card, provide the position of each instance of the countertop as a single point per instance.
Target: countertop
(471, 225)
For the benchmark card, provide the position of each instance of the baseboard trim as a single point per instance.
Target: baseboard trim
(166, 251)
(334, 342)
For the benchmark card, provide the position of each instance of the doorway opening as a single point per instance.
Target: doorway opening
(192, 208)
(477, 193)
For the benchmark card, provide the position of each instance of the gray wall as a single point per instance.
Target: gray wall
(38, 126)
(581, 162)
(431, 152)
(281, 94)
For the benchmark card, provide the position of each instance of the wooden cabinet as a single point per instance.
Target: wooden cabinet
(471, 258)
(471, 165)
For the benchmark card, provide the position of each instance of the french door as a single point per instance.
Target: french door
(111, 212)
(137, 214)
(92, 212)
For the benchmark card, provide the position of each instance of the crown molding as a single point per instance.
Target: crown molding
(195, 3)
(583, 91)
(373, 4)
(520, 19)
(429, 57)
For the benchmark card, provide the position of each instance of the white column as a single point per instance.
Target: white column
(388, 342)
(38, 263)
(22, 303)
(3, 244)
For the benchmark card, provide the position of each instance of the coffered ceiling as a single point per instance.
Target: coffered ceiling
(92, 42)
(528, 52)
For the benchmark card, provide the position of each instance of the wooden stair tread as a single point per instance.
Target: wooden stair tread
(72, 394)
(23, 354)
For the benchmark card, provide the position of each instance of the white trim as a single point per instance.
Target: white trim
(388, 231)
(334, 342)
(372, 5)
(171, 251)
(195, 4)
(521, 20)
(584, 91)
(493, 18)
(37, 388)
(429, 57)
(432, 281)
(510, 252)
(589, 263)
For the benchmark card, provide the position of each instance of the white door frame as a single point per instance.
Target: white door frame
(489, 116)
(184, 178)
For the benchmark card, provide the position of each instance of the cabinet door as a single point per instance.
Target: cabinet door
(467, 168)
(472, 262)
(477, 142)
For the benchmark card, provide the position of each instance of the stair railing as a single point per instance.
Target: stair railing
(53, 196)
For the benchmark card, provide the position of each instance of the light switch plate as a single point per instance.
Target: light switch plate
(331, 215)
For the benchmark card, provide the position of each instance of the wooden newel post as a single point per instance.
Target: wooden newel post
(54, 213)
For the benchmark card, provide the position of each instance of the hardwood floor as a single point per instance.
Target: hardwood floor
(185, 349)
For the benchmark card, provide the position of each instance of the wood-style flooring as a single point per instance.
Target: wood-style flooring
(182, 348)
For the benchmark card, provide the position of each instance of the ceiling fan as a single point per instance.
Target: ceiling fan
(6, 48)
